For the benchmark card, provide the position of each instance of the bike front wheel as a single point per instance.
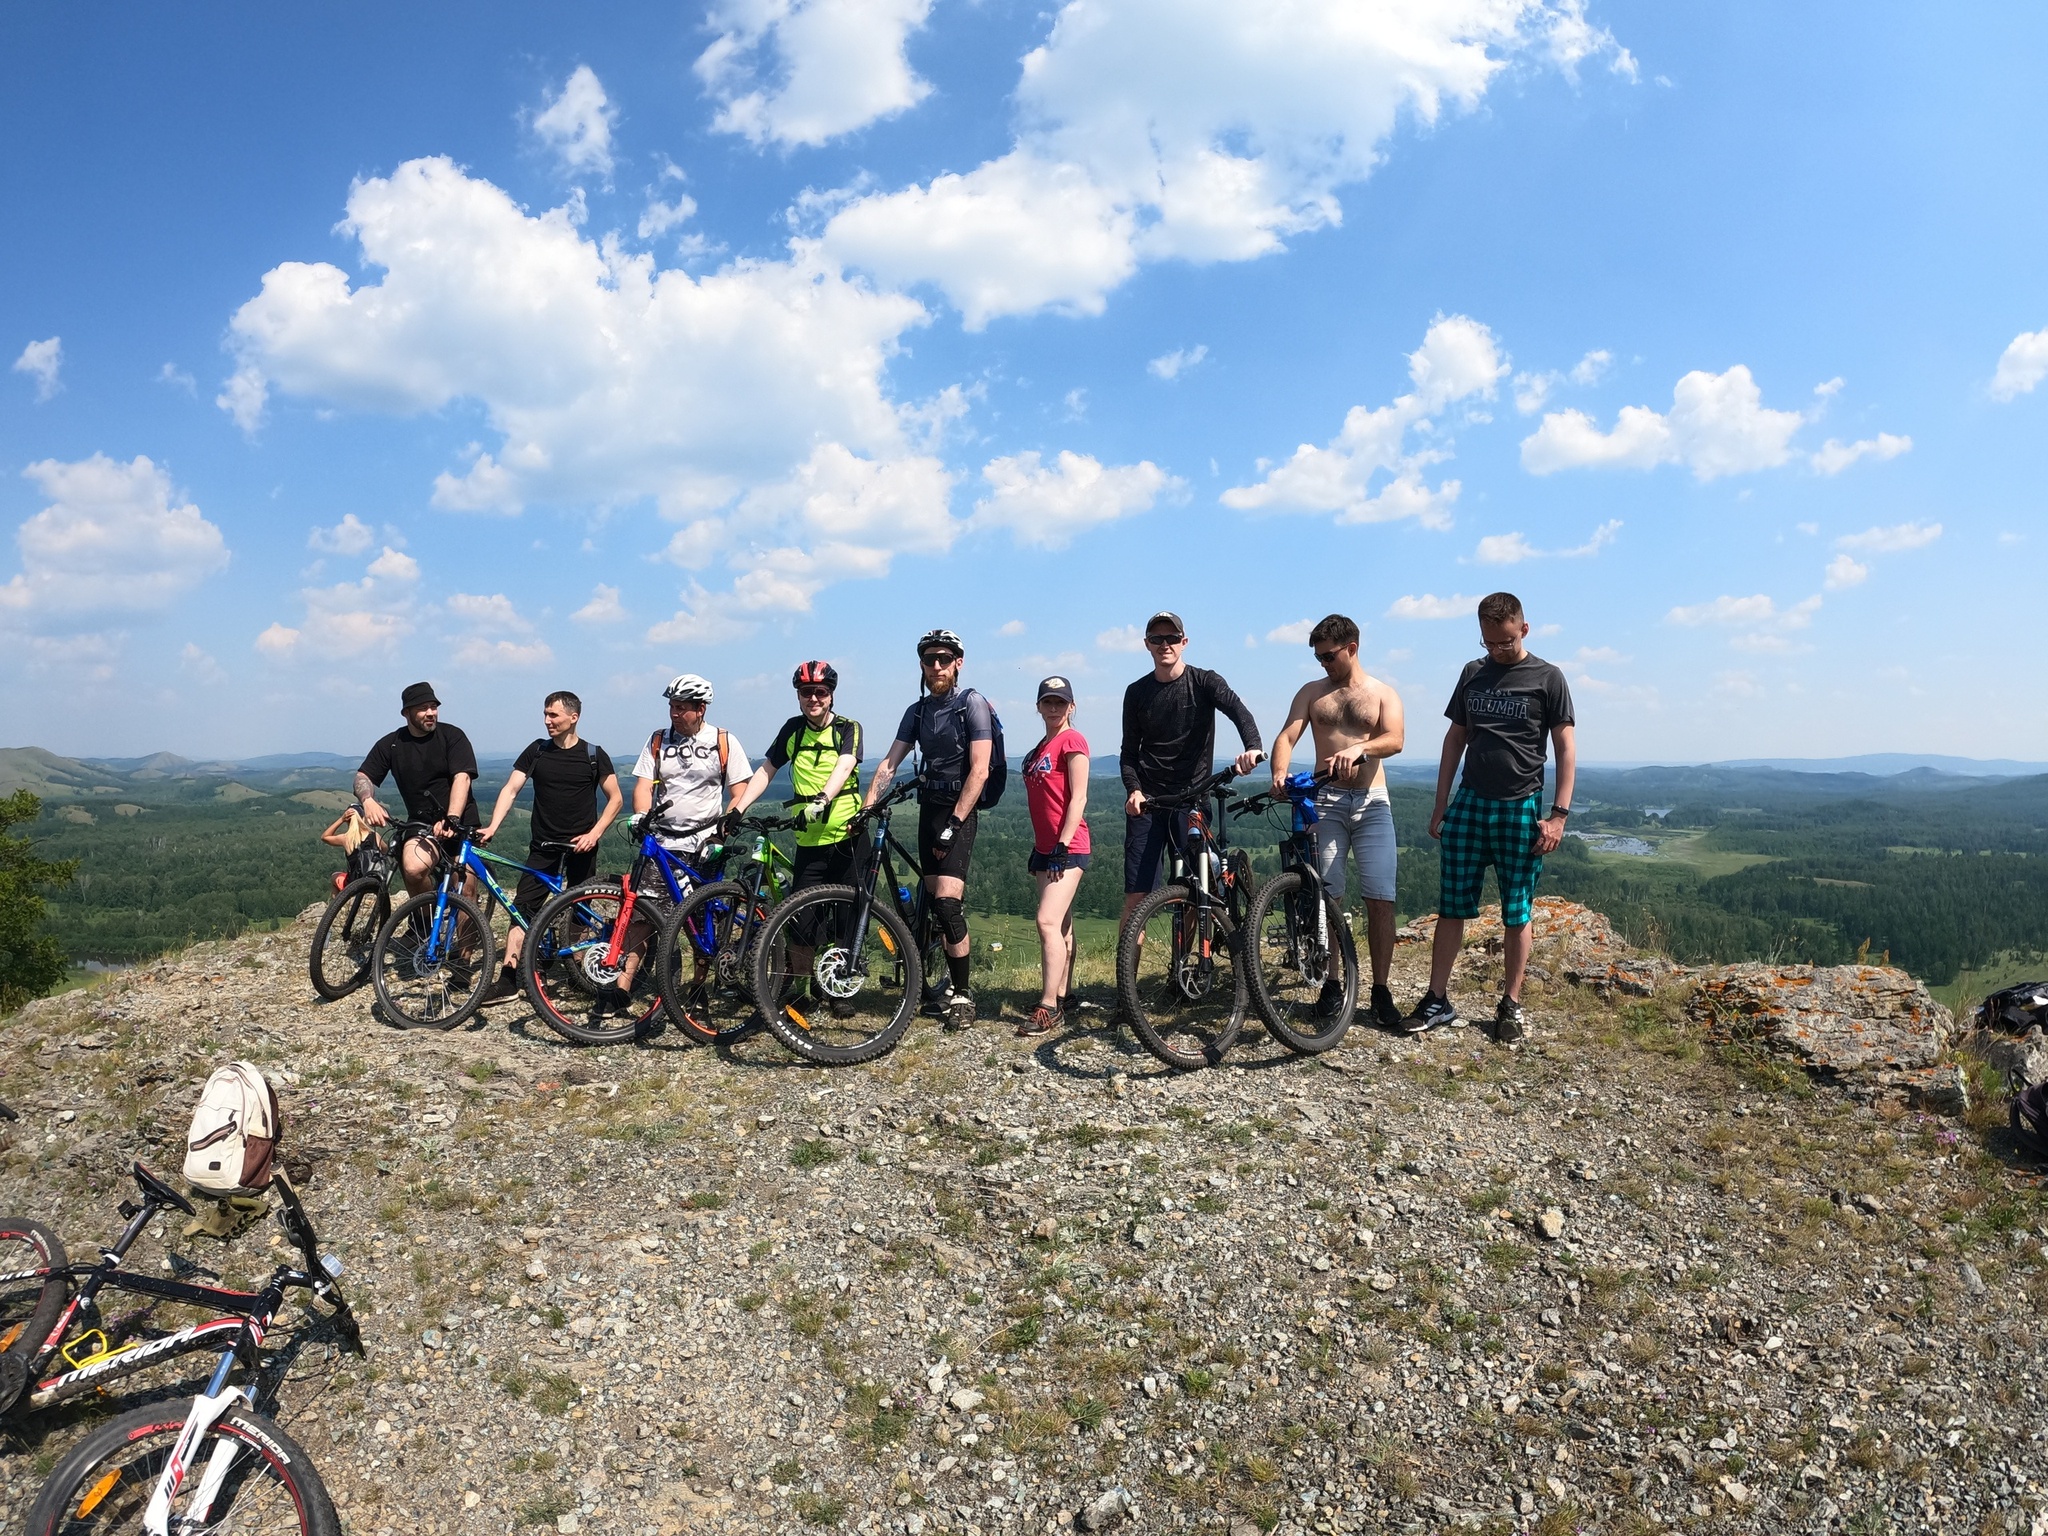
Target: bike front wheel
(1178, 976)
(706, 951)
(31, 1298)
(567, 969)
(105, 1484)
(1304, 982)
(346, 937)
(833, 989)
(433, 960)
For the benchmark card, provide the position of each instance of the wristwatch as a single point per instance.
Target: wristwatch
(1561, 811)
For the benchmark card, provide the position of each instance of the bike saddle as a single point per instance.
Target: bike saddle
(157, 1192)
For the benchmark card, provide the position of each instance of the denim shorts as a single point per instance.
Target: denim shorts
(1350, 823)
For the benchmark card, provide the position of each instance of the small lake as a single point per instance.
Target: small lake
(1616, 842)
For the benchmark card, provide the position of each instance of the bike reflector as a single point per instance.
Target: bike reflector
(97, 1492)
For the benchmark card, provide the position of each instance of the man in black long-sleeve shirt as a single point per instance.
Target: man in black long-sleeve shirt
(1169, 742)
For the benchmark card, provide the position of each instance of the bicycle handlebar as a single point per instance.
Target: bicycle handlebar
(1213, 784)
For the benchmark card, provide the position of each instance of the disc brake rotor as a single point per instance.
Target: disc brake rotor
(833, 973)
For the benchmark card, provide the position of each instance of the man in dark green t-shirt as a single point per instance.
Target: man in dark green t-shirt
(822, 752)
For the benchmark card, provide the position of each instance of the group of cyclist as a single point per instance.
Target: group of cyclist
(1506, 710)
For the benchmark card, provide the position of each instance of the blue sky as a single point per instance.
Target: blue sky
(521, 347)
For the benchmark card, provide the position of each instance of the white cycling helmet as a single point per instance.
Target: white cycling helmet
(688, 688)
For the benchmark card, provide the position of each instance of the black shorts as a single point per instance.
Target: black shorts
(532, 894)
(931, 819)
(1039, 863)
(826, 864)
(1147, 838)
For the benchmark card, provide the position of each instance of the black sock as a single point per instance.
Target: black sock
(956, 965)
(1380, 990)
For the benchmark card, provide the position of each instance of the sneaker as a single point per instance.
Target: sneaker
(1510, 1023)
(841, 1007)
(612, 995)
(1432, 1012)
(938, 1002)
(503, 990)
(1385, 1012)
(1043, 1021)
(960, 1011)
(1330, 999)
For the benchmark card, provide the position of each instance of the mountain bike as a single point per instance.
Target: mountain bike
(1180, 970)
(706, 947)
(1300, 953)
(839, 969)
(576, 950)
(221, 1463)
(437, 951)
(345, 938)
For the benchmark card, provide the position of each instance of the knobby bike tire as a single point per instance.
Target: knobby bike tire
(29, 1305)
(562, 967)
(1185, 1013)
(349, 928)
(1288, 967)
(878, 990)
(433, 994)
(105, 1484)
(706, 955)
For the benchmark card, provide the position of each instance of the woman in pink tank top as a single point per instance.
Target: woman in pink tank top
(1056, 786)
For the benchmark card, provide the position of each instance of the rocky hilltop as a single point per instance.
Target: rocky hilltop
(1684, 1259)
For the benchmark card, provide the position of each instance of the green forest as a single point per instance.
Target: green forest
(1946, 875)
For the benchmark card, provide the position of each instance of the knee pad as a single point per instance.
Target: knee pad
(952, 921)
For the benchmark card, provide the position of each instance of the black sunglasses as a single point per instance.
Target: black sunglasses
(938, 658)
(1326, 657)
(1164, 639)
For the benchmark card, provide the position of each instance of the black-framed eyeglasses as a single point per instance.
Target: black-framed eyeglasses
(1164, 639)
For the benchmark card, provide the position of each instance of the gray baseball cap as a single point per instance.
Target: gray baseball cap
(1166, 615)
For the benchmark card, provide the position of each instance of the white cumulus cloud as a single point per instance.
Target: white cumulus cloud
(1430, 606)
(604, 607)
(1834, 456)
(1199, 130)
(1047, 504)
(791, 72)
(1718, 425)
(352, 618)
(1894, 540)
(1173, 364)
(1513, 548)
(577, 123)
(2022, 365)
(1844, 572)
(41, 361)
(1290, 634)
(115, 538)
(350, 536)
(1761, 625)
(1458, 360)
(1126, 637)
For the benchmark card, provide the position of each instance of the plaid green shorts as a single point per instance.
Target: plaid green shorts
(1479, 832)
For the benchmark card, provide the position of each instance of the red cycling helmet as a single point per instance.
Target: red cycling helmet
(816, 673)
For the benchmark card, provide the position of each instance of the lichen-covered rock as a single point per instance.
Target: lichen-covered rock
(2024, 1060)
(1842, 1021)
(1570, 941)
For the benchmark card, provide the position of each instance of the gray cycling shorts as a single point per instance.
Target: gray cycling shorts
(1364, 828)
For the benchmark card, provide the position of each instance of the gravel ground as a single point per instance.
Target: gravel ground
(1612, 1279)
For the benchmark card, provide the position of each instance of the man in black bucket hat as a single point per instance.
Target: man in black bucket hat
(435, 767)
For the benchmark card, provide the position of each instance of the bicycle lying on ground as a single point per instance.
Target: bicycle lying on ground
(221, 1464)
(437, 951)
(839, 969)
(576, 951)
(1180, 968)
(1301, 956)
(705, 951)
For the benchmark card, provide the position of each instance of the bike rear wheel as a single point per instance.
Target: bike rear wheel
(1184, 991)
(565, 970)
(30, 1303)
(1292, 970)
(105, 1484)
(828, 996)
(429, 979)
(346, 937)
(706, 950)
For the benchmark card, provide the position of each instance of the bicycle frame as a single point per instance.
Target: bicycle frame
(768, 868)
(652, 852)
(916, 910)
(1199, 840)
(249, 1314)
(471, 861)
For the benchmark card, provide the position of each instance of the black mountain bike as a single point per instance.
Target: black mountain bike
(1180, 970)
(346, 935)
(215, 1464)
(706, 948)
(839, 969)
(1301, 955)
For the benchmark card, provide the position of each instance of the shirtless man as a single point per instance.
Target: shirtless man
(1356, 721)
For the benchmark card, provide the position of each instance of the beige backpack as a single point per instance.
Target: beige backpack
(234, 1133)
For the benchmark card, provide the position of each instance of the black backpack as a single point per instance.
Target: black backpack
(998, 759)
(2030, 1120)
(2015, 1010)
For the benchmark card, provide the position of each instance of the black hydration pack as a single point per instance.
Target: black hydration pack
(2015, 1010)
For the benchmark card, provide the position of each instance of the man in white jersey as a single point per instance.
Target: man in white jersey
(1357, 724)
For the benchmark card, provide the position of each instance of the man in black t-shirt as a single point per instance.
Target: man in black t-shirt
(568, 774)
(435, 767)
(1169, 742)
(1507, 708)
